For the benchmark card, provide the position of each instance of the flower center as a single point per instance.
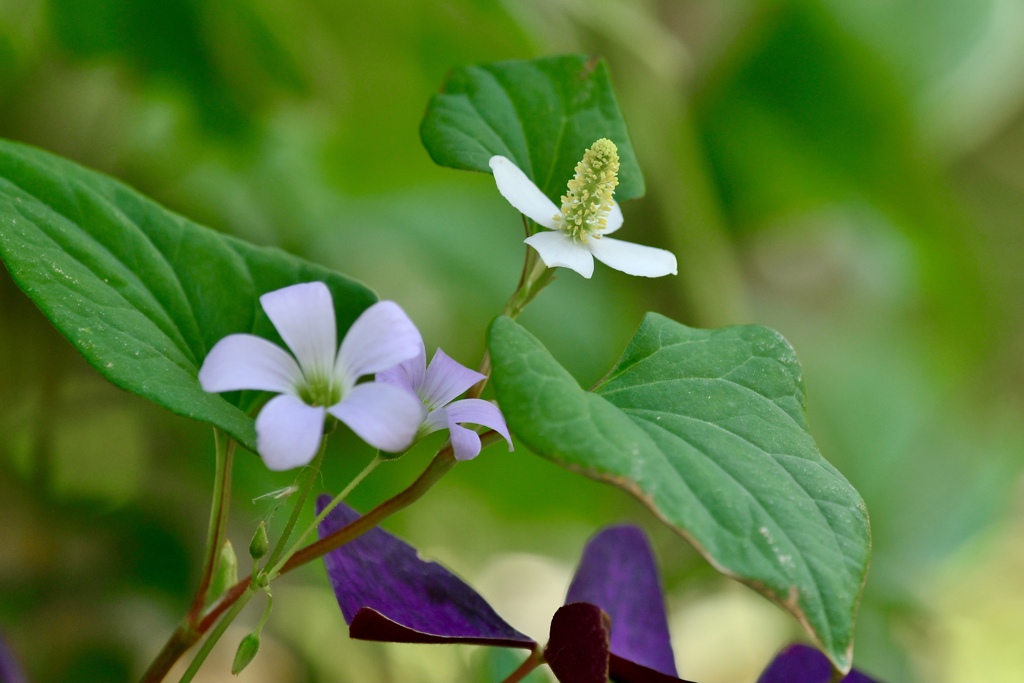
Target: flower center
(586, 205)
(320, 390)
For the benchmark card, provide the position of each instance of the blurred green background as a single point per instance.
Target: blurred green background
(848, 172)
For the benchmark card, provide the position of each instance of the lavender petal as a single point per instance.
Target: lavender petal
(465, 442)
(381, 338)
(408, 374)
(617, 573)
(479, 412)
(382, 415)
(445, 380)
(245, 361)
(288, 432)
(386, 592)
(304, 317)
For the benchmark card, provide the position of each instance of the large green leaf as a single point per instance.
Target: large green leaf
(706, 427)
(141, 292)
(542, 114)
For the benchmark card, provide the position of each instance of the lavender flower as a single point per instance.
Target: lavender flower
(436, 386)
(321, 377)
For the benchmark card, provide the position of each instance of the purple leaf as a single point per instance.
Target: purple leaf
(577, 649)
(10, 672)
(387, 593)
(618, 574)
(803, 664)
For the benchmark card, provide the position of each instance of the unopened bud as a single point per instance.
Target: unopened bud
(225, 574)
(246, 652)
(260, 543)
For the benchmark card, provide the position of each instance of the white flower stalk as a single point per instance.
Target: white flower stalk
(577, 232)
(321, 378)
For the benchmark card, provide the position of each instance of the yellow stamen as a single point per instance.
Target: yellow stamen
(585, 207)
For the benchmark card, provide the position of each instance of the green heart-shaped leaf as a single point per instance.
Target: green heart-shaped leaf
(542, 114)
(706, 427)
(141, 292)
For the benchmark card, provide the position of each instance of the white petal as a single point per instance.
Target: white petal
(614, 221)
(288, 432)
(304, 316)
(245, 361)
(557, 249)
(633, 259)
(521, 192)
(382, 415)
(381, 338)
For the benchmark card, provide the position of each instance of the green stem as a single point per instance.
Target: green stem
(535, 277)
(535, 659)
(275, 569)
(438, 467)
(184, 637)
(215, 636)
(300, 501)
(225, 451)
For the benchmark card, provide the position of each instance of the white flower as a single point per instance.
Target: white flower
(578, 231)
(321, 377)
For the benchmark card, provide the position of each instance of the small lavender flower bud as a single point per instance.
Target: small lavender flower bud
(246, 652)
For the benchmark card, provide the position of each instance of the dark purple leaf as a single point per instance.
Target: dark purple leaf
(386, 592)
(804, 664)
(577, 649)
(618, 574)
(10, 672)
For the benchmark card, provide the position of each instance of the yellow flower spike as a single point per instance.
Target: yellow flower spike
(586, 206)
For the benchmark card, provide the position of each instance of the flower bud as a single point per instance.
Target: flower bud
(246, 652)
(225, 573)
(260, 543)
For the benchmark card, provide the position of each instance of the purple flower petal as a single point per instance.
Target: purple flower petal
(522, 193)
(557, 249)
(479, 412)
(288, 432)
(617, 573)
(381, 338)
(245, 361)
(445, 380)
(386, 592)
(383, 415)
(577, 649)
(799, 663)
(633, 259)
(304, 317)
(10, 672)
(408, 374)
